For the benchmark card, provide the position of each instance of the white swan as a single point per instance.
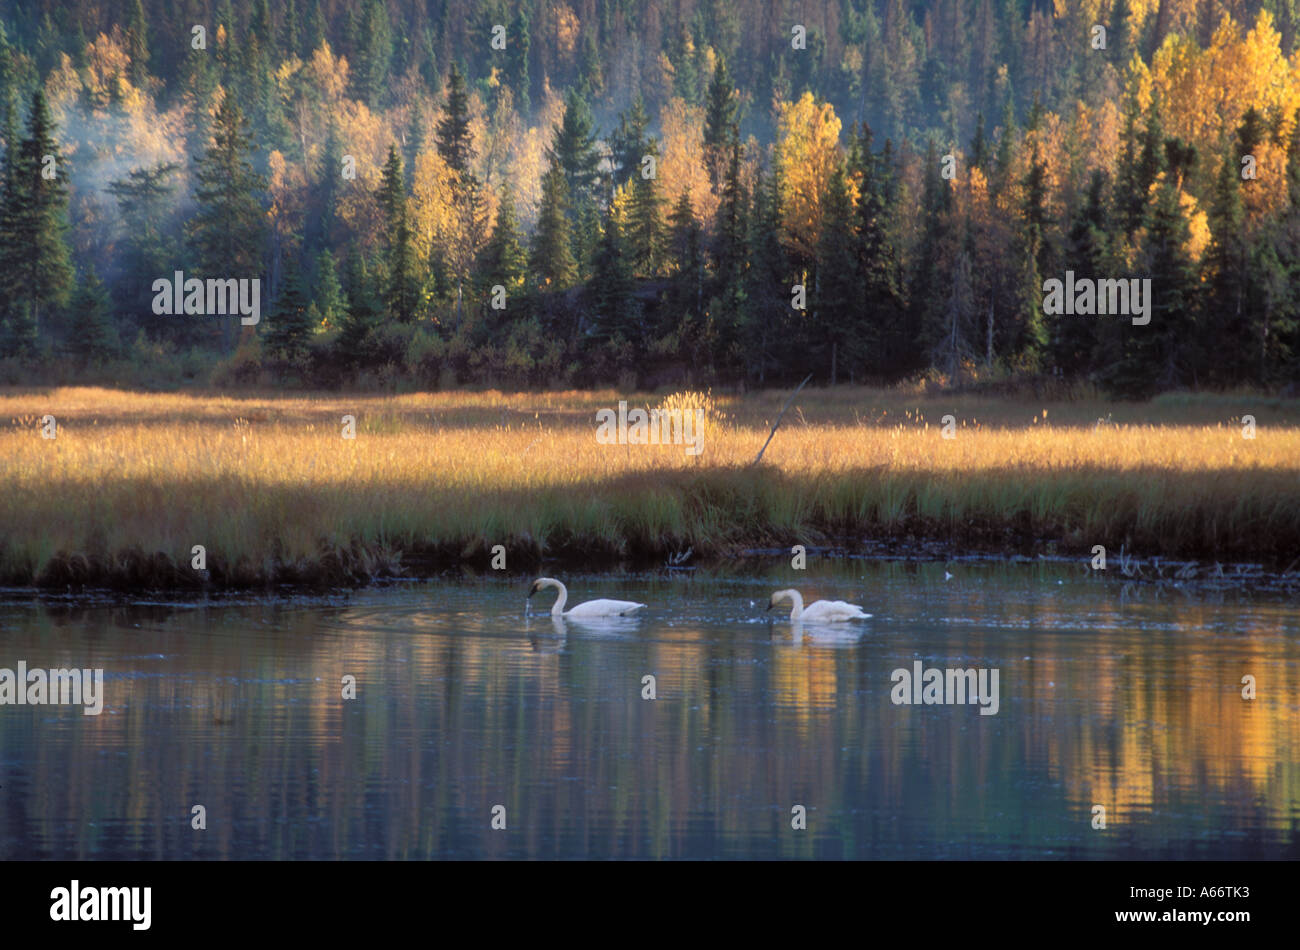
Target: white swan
(819, 611)
(592, 608)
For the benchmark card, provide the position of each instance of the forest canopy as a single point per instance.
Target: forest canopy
(638, 193)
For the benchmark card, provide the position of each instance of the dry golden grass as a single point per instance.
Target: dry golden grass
(264, 481)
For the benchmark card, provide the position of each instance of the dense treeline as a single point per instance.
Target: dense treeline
(612, 191)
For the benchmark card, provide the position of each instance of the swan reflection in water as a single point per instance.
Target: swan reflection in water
(555, 639)
(824, 633)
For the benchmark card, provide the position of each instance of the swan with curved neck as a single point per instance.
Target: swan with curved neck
(590, 608)
(819, 611)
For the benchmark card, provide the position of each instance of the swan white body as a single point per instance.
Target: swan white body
(819, 611)
(588, 609)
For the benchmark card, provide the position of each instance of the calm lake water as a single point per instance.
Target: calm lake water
(1130, 699)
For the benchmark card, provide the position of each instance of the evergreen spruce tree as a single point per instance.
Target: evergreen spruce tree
(630, 143)
(455, 144)
(1029, 322)
(1029, 325)
(645, 226)
(453, 138)
(374, 39)
(768, 316)
(958, 346)
(403, 291)
(1223, 353)
(730, 243)
(151, 245)
(1153, 356)
(199, 80)
(1272, 331)
(1074, 339)
(929, 292)
(402, 286)
(730, 250)
(289, 328)
(1141, 162)
(591, 72)
(840, 293)
(1251, 133)
(721, 124)
(517, 75)
(613, 315)
(429, 65)
(414, 142)
(889, 343)
(1035, 207)
(92, 338)
(1118, 47)
(35, 269)
(322, 216)
(551, 259)
(684, 245)
(228, 229)
(573, 150)
(253, 82)
(317, 32)
(503, 260)
(679, 48)
(1280, 340)
(391, 195)
(330, 301)
(362, 315)
(586, 235)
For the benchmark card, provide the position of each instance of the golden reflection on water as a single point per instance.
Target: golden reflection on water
(1133, 706)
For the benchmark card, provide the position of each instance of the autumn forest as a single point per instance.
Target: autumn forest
(613, 192)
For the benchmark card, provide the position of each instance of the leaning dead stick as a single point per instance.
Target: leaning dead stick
(778, 421)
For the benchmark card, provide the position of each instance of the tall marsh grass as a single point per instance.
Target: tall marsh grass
(273, 492)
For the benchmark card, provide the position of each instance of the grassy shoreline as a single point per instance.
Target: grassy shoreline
(276, 496)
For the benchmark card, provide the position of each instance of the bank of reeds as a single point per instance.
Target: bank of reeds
(274, 494)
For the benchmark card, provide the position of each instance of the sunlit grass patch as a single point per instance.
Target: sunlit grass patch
(267, 480)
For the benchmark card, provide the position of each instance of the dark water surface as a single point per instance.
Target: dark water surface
(1130, 699)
